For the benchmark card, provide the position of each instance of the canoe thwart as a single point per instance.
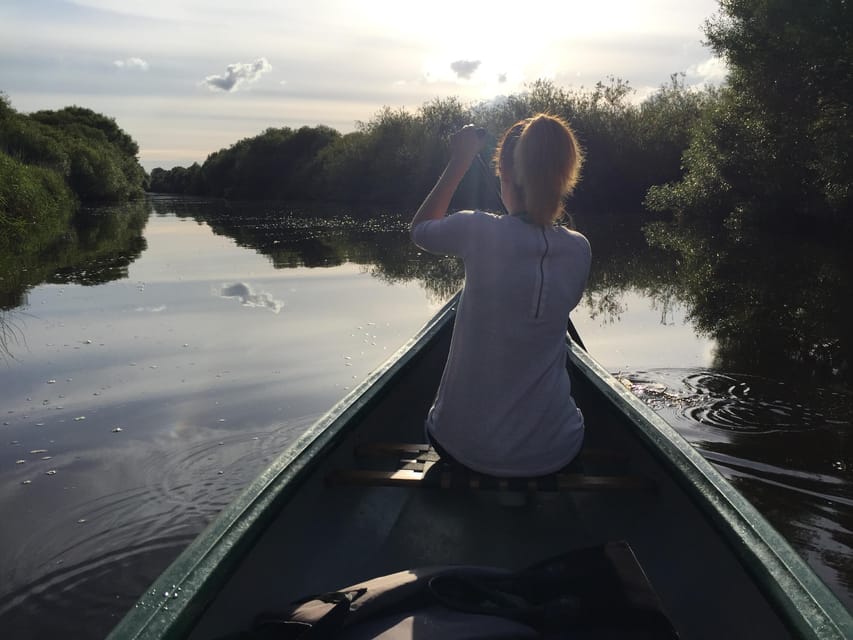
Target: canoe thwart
(423, 451)
(442, 476)
(410, 450)
(419, 465)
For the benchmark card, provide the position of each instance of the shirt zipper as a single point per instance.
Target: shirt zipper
(541, 274)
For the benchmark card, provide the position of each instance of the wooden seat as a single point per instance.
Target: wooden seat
(420, 465)
(422, 451)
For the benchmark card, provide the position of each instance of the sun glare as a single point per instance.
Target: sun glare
(501, 45)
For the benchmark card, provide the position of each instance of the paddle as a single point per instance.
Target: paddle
(487, 173)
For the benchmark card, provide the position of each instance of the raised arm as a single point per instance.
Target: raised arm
(464, 146)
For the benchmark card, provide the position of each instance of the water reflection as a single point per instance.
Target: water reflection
(250, 298)
(777, 304)
(324, 236)
(161, 362)
(773, 306)
(97, 248)
(775, 413)
(769, 307)
(98, 554)
(136, 408)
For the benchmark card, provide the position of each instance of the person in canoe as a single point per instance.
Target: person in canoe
(504, 405)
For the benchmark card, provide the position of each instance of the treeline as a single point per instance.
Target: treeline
(51, 161)
(394, 158)
(279, 164)
(770, 148)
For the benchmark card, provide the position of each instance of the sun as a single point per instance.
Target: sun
(498, 46)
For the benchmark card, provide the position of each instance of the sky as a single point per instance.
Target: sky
(186, 78)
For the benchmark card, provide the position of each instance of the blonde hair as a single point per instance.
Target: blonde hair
(544, 159)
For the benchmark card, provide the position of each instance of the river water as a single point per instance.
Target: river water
(156, 359)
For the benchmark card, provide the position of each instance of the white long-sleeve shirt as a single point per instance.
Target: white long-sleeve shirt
(504, 406)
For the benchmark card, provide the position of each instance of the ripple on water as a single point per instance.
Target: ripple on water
(785, 447)
(122, 540)
(738, 403)
(760, 405)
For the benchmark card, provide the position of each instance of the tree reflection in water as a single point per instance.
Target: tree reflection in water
(10, 334)
(775, 305)
(773, 412)
(98, 246)
(324, 236)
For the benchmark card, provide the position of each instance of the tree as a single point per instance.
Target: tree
(777, 144)
(5, 107)
(77, 117)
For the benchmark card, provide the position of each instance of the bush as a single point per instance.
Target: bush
(89, 151)
(35, 205)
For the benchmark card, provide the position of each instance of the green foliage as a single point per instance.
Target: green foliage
(187, 180)
(6, 110)
(703, 192)
(52, 160)
(394, 158)
(33, 143)
(767, 190)
(89, 151)
(278, 164)
(35, 207)
(82, 121)
(777, 145)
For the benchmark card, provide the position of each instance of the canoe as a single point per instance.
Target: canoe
(313, 521)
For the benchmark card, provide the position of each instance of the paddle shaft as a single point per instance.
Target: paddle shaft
(573, 332)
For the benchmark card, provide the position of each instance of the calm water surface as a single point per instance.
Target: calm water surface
(155, 364)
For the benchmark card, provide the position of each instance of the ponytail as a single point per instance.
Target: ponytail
(544, 158)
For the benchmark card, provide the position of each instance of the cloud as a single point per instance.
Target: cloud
(249, 298)
(501, 78)
(712, 71)
(237, 74)
(131, 63)
(464, 68)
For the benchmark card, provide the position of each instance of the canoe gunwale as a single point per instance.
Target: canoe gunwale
(212, 557)
(800, 597)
